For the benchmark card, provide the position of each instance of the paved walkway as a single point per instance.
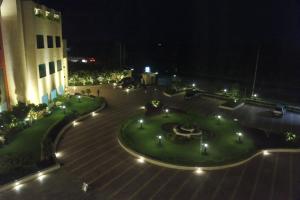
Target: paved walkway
(91, 154)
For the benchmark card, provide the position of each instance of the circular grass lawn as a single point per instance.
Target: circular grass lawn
(219, 134)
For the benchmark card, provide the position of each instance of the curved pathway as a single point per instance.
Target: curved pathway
(91, 153)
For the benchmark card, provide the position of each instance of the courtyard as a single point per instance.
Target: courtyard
(92, 154)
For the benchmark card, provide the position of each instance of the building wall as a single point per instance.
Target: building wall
(4, 94)
(14, 50)
(21, 25)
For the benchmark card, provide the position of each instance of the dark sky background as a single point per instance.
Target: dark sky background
(210, 37)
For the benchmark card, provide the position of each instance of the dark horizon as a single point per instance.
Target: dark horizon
(216, 38)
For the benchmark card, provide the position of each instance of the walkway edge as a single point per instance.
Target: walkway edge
(56, 166)
(220, 167)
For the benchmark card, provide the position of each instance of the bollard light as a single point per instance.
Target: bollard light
(141, 121)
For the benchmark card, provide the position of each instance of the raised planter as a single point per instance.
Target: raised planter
(56, 165)
(213, 168)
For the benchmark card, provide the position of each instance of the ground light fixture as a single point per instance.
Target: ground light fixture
(174, 75)
(75, 123)
(41, 176)
(239, 134)
(141, 121)
(17, 186)
(266, 153)
(58, 154)
(255, 95)
(79, 98)
(127, 90)
(194, 84)
(141, 160)
(199, 171)
(94, 114)
(225, 90)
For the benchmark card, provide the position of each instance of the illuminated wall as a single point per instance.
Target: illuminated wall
(22, 21)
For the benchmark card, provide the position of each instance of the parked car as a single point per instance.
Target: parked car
(279, 110)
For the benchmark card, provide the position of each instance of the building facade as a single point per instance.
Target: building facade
(36, 66)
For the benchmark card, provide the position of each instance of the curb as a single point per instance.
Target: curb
(220, 167)
(69, 125)
(31, 177)
(25, 179)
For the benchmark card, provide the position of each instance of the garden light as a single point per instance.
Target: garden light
(17, 186)
(167, 112)
(58, 154)
(205, 147)
(255, 95)
(127, 90)
(174, 75)
(235, 119)
(239, 134)
(159, 139)
(64, 109)
(199, 171)
(75, 123)
(225, 90)
(114, 84)
(141, 121)
(266, 153)
(141, 160)
(194, 84)
(94, 114)
(142, 107)
(79, 98)
(219, 117)
(41, 176)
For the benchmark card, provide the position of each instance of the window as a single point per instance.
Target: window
(40, 41)
(59, 68)
(50, 41)
(57, 41)
(42, 70)
(51, 67)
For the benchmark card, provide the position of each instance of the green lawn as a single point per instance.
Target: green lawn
(223, 146)
(28, 142)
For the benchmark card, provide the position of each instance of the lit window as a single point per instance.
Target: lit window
(40, 41)
(50, 41)
(51, 67)
(42, 70)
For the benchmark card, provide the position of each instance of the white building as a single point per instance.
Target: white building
(36, 64)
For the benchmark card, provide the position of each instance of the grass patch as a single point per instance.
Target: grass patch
(223, 146)
(25, 150)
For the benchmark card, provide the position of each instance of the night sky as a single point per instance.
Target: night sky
(211, 37)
